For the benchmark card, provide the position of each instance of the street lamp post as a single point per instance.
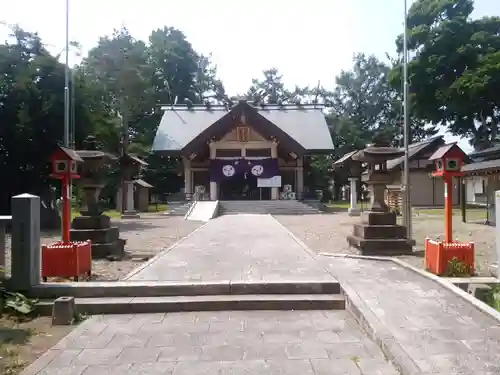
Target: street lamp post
(67, 104)
(66, 81)
(407, 212)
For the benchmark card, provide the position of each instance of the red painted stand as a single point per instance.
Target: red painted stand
(448, 160)
(65, 258)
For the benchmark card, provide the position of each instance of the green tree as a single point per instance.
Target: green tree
(367, 104)
(31, 113)
(454, 76)
(270, 89)
(119, 65)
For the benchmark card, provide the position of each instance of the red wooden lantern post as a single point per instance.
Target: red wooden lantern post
(65, 167)
(66, 258)
(448, 161)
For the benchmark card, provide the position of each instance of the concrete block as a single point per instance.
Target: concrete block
(26, 254)
(63, 311)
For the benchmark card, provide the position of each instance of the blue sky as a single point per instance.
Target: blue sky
(308, 41)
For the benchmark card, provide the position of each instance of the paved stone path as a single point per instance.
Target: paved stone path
(441, 333)
(243, 247)
(236, 248)
(220, 343)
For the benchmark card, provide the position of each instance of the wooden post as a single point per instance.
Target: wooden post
(463, 199)
(448, 208)
(66, 209)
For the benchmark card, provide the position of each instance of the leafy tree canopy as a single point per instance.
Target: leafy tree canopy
(454, 76)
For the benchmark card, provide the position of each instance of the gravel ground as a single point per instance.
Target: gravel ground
(327, 233)
(145, 237)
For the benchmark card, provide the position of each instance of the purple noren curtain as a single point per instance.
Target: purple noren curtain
(225, 169)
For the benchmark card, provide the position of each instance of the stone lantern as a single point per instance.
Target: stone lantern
(378, 233)
(92, 224)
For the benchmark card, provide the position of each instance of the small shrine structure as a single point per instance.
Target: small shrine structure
(353, 168)
(130, 167)
(448, 161)
(378, 232)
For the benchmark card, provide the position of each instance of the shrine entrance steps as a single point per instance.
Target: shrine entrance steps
(270, 207)
(134, 297)
(244, 262)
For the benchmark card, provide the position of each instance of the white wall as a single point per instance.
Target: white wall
(476, 186)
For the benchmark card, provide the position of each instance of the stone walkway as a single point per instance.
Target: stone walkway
(244, 248)
(219, 343)
(440, 332)
(236, 248)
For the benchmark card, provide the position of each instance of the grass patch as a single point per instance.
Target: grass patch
(342, 204)
(111, 213)
(161, 207)
(492, 297)
(472, 214)
(114, 214)
(24, 339)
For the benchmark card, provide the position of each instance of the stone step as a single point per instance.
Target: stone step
(268, 209)
(111, 289)
(285, 207)
(379, 231)
(379, 246)
(149, 305)
(269, 213)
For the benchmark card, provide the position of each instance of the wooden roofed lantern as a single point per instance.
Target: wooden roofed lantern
(439, 255)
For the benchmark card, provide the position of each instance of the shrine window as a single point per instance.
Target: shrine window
(258, 152)
(243, 133)
(220, 153)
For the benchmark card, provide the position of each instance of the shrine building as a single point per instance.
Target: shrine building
(247, 152)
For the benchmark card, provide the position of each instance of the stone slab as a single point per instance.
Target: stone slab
(378, 246)
(91, 222)
(95, 235)
(143, 305)
(236, 248)
(420, 324)
(162, 288)
(256, 342)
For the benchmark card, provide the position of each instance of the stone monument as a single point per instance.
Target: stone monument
(378, 232)
(93, 225)
(130, 166)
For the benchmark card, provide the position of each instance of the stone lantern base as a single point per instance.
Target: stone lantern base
(104, 238)
(378, 234)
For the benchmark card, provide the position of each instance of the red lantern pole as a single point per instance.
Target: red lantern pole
(66, 207)
(448, 208)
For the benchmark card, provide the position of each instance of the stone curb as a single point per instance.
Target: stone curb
(161, 254)
(481, 306)
(379, 333)
(161, 305)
